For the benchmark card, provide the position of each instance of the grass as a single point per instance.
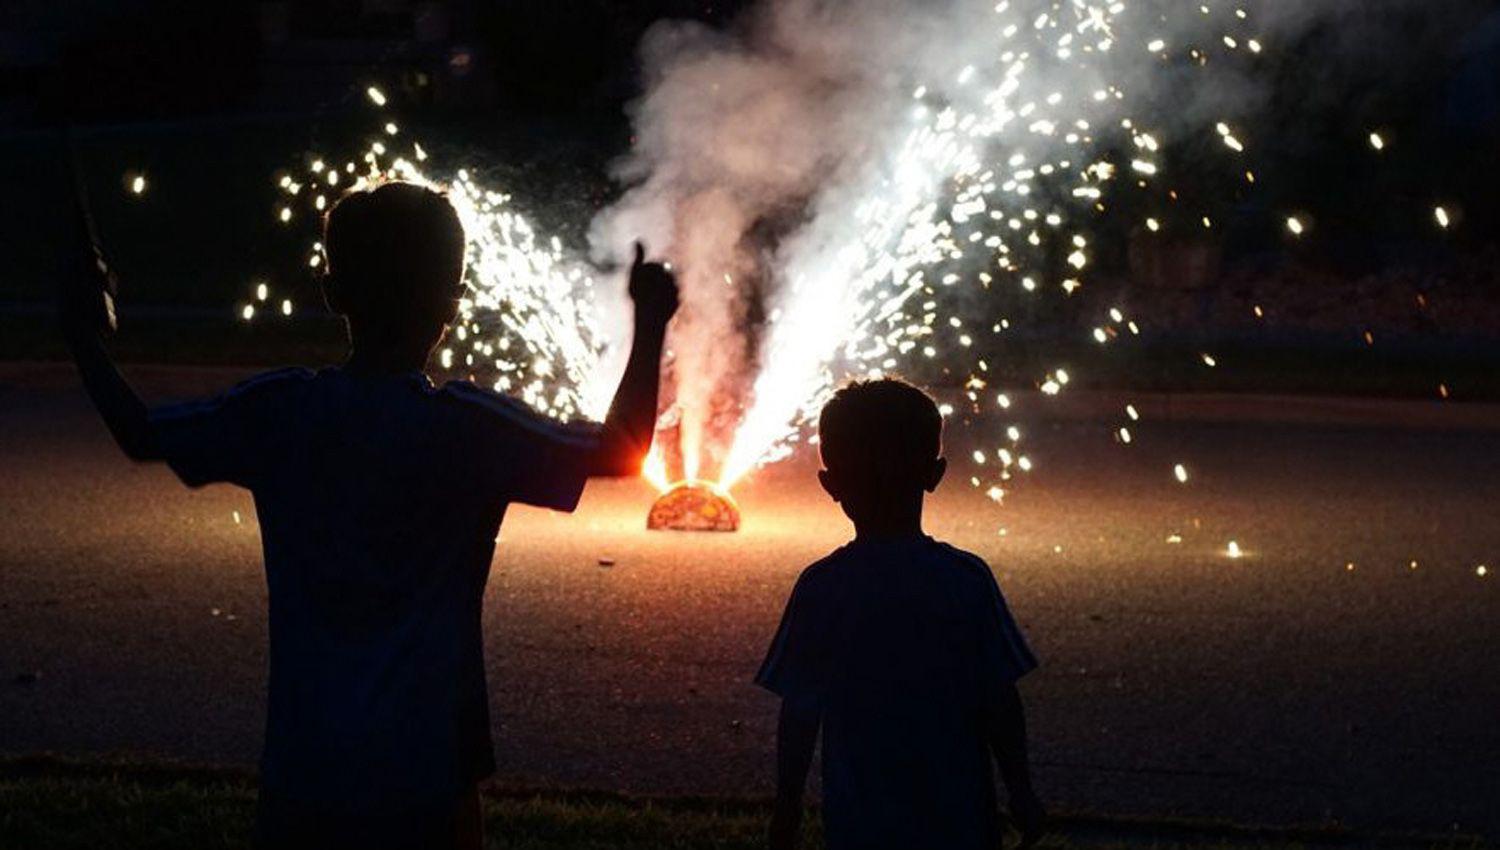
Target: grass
(48, 802)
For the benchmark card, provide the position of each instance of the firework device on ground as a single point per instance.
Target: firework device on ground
(694, 506)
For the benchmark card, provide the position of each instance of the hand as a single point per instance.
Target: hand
(87, 292)
(1029, 818)
(653, 288)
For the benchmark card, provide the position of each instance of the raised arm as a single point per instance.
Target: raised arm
(796, 732)
(631, 422)
(87, 315)
(1007, 734)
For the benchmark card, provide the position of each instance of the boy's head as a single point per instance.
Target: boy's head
(881, 443)
(395, 262)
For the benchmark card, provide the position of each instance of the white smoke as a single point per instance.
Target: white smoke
(743, 142)
(807, 169)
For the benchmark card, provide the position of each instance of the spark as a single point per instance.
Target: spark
(1233, 550)
(1180, 473)
(654, 470)
(138, 184)
(850, 302)
(1441, 215)
(1377, 141)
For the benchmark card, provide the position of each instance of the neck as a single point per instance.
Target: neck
(891, 521)
(385, 356)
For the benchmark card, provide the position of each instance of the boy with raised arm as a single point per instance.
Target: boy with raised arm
(379, 497)
(901, 650)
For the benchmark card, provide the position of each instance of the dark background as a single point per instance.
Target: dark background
(213, 100)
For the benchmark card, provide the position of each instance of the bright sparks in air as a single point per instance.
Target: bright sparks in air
(994, 180)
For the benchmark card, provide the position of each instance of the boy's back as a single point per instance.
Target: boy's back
(379, 499)
(903, 643)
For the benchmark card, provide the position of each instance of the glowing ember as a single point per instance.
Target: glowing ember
(694, 506)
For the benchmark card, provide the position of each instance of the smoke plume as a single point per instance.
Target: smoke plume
(804, 169)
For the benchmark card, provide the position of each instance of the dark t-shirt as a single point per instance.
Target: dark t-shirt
(379, 501)
(903, 644)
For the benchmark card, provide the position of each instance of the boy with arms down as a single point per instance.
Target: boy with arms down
(379, 498)
(902, 650)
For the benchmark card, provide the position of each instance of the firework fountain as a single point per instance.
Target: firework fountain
(848, 189)
(836, 180)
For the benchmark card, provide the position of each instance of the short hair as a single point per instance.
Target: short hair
(881, 423)
(395, 251)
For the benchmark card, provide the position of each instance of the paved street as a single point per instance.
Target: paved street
(1282, 687)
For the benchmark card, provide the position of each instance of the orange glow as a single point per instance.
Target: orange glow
(694, 506)
(654, 469)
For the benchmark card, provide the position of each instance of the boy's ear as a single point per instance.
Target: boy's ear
(331, 293)
(935, 477)
(830, 484)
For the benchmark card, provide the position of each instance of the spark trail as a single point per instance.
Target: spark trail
(851, 190)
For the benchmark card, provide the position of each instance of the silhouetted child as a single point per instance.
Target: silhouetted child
(902, 650)
(379, 498)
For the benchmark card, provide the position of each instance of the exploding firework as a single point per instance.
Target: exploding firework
(850, 226)
(967, 180)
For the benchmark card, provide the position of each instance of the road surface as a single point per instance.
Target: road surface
(1281, 687)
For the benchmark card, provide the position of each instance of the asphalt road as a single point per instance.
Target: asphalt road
(1281, 687)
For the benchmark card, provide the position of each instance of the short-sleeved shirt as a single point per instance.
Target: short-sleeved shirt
(379, 500)
(904, 645)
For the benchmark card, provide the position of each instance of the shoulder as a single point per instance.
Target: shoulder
(496, 409)
(469, 395)
(825, 572)
(253, 393)
(967, 566)
(273, 381)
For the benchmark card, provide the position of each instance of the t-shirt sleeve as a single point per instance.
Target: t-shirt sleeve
(1004, 654)
(224, 438)
(796, 665)
(527, 457)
